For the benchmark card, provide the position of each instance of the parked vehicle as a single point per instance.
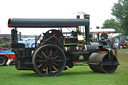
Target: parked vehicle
(5, 56)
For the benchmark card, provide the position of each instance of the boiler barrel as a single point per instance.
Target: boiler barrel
(92, 47)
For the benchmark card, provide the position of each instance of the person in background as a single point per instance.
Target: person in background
(119, 44)
(126, 43)
(111, 44)
(115, 46)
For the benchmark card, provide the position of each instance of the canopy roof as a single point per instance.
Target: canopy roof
(26, 23)
(106, 30)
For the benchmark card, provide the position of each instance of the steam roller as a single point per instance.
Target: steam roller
(103, 62)
(58, 51)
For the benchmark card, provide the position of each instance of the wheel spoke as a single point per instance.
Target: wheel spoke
(55, 57)
(40, 60)
(40, 65)
(55, 68)
(50, 68)
(50, 54)
(40, 57)
(54, 54)
(56, 64)
(47, 51)
(47, 70)
(43, 67)
(57, 60)
(44, 54)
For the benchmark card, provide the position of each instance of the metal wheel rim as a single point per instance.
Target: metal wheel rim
(2, 61)
(109, 68)
(49, 60)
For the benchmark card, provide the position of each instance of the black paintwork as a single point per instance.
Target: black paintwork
(18, 22)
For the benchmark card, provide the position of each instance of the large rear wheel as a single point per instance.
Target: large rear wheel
(49, 60)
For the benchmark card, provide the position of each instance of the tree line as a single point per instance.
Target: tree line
(120, 23)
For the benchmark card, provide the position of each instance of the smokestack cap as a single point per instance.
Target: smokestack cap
(78, 16)
(86, 16)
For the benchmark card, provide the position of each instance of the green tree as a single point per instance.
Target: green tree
(120, 11)
(111, 23)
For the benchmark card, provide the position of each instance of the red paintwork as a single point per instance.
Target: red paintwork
(10, 56)
(4, 49)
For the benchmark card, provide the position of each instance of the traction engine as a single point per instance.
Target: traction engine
(57, 52)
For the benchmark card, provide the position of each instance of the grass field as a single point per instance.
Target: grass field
(78, 75)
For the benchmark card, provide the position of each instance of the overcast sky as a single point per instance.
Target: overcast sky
(99, 11)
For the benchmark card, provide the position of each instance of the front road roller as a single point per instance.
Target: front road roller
(103, 62)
